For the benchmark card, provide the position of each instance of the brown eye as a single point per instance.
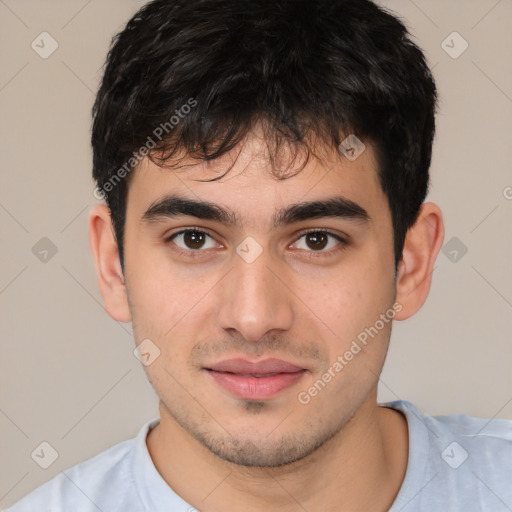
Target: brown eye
(317, 241)
(192, 240)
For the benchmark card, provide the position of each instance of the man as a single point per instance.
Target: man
(265, 166)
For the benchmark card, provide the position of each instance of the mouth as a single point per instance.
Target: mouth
(260, 380)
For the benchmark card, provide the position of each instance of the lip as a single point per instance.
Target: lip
(259, 380)
(239, 365)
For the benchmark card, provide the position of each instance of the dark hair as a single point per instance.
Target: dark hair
(310, 69)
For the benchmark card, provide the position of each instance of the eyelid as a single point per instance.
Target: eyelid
(301, 233)
(194, 229)
(335, 234)
(343, 240)
(188, 253)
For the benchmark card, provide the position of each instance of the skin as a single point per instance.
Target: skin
(295, 302)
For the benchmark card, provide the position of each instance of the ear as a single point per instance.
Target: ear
(422, 244)
(106, 256)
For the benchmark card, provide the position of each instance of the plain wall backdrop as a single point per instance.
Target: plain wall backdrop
(68, 373)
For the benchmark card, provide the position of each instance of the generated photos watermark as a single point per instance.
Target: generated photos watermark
(158, 133)
(344, 359)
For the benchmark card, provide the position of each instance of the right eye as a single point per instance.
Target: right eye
(191, 241)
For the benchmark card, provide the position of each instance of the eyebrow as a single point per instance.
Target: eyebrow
(175, 206)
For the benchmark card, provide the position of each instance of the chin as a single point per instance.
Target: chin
(253, 450)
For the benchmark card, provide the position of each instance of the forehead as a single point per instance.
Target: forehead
(245, 184)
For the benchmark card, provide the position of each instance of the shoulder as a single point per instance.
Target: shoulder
(459, 462)
(486, 442)
(90, 485)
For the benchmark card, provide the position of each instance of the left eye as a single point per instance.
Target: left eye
(318, 241)
(192, 239)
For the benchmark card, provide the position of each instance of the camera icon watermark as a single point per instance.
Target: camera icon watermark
(454, 455)
(146, 352)
(249, 250)
(44, 455)
(352, 147)
(507, 193)
(44, 45)
(454, 249)
(44, 250)
(454, 45)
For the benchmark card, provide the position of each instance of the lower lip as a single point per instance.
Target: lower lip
(256, 388)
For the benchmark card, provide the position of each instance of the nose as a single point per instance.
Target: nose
(255, 299)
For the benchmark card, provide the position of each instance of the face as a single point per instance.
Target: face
(259, 314)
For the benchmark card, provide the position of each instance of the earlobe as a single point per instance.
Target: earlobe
(422, 244)
(104, 249)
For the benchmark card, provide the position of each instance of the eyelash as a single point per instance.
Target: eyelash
(182, 252)
(343, 243)
(312, 254)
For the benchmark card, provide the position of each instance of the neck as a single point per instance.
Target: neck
(361, 468)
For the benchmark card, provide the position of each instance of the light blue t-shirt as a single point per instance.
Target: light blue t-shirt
(456, 463)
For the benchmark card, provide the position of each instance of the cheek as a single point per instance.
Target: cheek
(156, 289)
(353, 299)
(167, 307)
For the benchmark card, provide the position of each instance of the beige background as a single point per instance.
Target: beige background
(68, 374)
